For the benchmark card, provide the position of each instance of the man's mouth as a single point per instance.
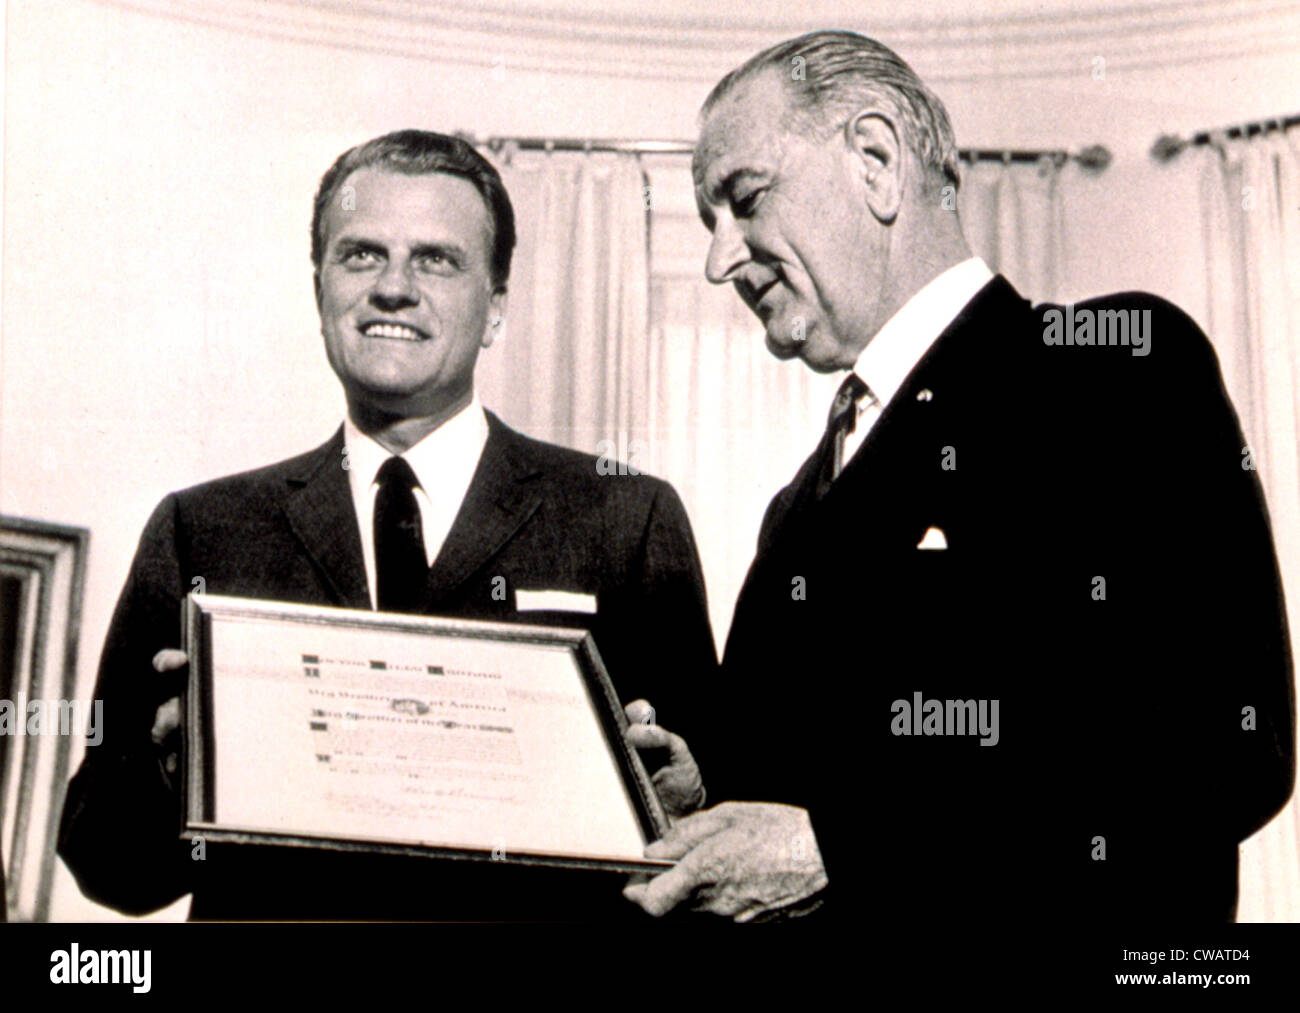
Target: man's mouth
(760, 309)
(752, 296)
(388, 329)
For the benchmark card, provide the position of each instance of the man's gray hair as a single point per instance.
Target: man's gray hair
(831, 75)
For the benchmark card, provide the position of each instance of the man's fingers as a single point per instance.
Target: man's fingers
(639, 712)
(636, 893)
(170, 659)
(687, 832)
(166, 720)
(655, 737)
(665, 891)
(649, 737)
(678, 749)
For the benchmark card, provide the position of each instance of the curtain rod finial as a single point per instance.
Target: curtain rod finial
(1095, 157)
(1167, 146)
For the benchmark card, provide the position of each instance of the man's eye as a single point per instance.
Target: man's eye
(434, 262)
(745, 205)
(359, 258)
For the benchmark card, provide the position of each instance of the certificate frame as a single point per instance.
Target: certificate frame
(199, 744)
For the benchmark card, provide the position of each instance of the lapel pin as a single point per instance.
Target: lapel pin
(924, 394)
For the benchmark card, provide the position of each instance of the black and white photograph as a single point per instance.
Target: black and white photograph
(725, 481)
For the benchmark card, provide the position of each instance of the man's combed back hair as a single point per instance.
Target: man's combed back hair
(418, 153)
(829, 76)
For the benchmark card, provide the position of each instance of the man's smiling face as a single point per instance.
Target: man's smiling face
(405, 289)
(791, 228)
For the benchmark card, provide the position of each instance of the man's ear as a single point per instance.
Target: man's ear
(496, 316)
(876, 145)
(315, 284)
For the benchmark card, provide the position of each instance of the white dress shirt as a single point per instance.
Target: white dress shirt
(898, 346)
(444, 463)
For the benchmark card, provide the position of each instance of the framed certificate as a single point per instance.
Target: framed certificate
(368, 731)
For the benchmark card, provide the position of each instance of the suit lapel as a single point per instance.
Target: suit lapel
(901, 455)
(320, 512)
(793, 500)
(880, 498)
(882, 462)
(951, 361)
(501, 497)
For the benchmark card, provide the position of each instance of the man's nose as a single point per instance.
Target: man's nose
(394, 288)
(727, 251)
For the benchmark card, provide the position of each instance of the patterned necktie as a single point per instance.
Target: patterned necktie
(841, 421)
(401, 568)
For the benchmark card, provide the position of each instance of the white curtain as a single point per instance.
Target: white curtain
(731, 423)
(571, 365)
(1250, 210)
(1014, 217)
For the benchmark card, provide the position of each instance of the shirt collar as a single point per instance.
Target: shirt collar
(898, 346)
(456, 444)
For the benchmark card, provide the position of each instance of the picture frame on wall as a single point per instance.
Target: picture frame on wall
(42, 580)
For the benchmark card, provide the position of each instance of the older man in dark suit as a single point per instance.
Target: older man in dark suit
(1013, 648)
(421, 502)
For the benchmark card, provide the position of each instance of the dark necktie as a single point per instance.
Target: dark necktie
(841, 421)
(401, 569)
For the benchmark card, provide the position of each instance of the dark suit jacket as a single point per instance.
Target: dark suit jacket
(538, 515)
(1159, 718)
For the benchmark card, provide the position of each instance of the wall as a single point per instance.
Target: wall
(158, 323)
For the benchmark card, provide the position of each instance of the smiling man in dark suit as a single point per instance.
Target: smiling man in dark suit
(1013, 648)
(421, 502)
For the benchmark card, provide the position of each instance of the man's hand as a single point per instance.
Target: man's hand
(738, 859)
(678, 781)
(167, 719)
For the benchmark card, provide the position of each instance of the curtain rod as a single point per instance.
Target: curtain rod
(1166, 146)
(1093, 157)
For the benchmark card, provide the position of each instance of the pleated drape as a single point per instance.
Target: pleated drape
(1250, 210)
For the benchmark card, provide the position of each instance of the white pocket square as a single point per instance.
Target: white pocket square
(554, 601)
(933, 539)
